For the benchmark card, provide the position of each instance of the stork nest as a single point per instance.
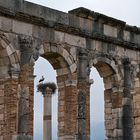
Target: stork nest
(42, 87)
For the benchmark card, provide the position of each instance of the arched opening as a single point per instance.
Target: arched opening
(43, 67)
(100, 105)
(9, 70)
(59, 61)
(9, 60)
(97, 106)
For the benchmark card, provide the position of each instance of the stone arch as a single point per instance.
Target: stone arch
(57, 54)
(9, 72)
(64, 62)
(109, 70)
(9, 56)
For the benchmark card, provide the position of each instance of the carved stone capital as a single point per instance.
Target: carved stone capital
(25, 43)
(29, 54)
(83, 66)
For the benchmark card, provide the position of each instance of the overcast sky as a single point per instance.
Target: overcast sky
(126, 10)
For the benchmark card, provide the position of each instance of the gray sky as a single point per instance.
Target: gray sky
(126, 10)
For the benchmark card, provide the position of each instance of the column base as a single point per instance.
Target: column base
(22, 137)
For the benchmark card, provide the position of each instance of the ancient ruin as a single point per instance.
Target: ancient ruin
(72, 42)
(47, 89)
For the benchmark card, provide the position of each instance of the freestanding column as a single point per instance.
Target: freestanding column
(47, 122)
(47, 90)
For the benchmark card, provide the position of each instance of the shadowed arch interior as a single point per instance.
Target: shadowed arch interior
(104, 69)
(56, 60)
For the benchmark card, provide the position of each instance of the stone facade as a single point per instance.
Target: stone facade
(72, 42)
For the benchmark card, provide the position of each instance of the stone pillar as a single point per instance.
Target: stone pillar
(25, 105)
(127, 104)
(136, 109)
(74, 102)
(8, 105)
(47, 116)
(113, 114)
(83, 97)
(67, 107)
(83, 118)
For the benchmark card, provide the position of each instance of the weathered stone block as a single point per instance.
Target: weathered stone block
(26, 28)
(117, 133)
(6, 23)
(59, 36)
(126, 36)
(42, 33)
(110, 30)
(75, 40)
(62, 71)
(108, 110)
(137, 38)
(1, 116)
(2, 100)
(86, 24)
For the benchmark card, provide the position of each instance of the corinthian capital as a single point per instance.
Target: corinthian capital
(25, 43)
(29, 53)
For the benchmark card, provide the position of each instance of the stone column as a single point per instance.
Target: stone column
(25, 106)
(47, 116)
(83, 97)
(127, 105)
(47, 90)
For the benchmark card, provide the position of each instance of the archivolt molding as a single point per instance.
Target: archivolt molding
(66, 59)
(103, 59)
(9, 56)
(109, 71)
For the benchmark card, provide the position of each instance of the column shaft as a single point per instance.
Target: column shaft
(127, 105)
(47, 124)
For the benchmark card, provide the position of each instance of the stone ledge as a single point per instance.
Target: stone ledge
(66, 27)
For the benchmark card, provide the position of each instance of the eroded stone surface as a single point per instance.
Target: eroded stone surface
(72, 42)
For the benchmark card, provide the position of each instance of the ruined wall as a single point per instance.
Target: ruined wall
(72, 42)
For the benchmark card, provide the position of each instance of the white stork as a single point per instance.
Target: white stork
(42, 79)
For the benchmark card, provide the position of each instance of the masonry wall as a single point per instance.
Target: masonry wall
(72, 42)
